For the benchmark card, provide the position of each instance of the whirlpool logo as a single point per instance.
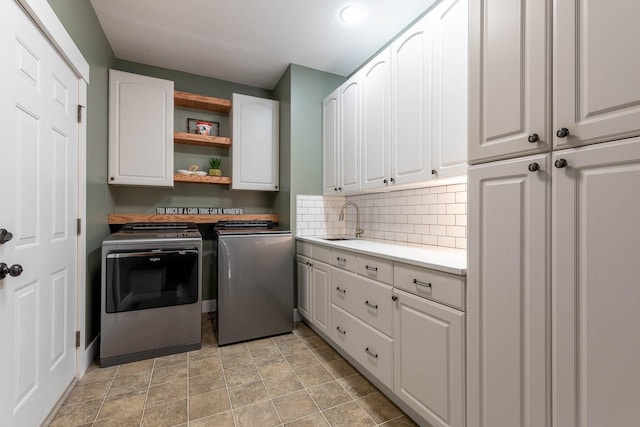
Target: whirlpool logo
(154, 259)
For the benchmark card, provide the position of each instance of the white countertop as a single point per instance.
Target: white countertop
(448, 260)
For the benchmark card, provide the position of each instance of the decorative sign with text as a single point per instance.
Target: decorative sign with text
(199, 211)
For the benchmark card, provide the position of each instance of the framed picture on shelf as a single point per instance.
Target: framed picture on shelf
(192, 126)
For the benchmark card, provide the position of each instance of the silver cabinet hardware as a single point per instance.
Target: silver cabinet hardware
(375, 356)
(370, 268)
(341, 331)
(368, 304)
(341, 259)
(344, 291)
(419, 283)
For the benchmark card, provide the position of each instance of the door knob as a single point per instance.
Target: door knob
(533, 138)
(562, 133)
(5, 236)
(560, 163)
(14, 271)
(533, 167)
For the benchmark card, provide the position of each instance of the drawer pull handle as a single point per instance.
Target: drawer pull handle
(375, 356)
(341, 331)
(371, 268)
(368, 304)
(344, 291)
(341, 259)
(419, 283)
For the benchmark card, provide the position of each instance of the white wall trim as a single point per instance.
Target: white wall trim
(50, 25)
(89, 355)
(296, 315)
(208, 306)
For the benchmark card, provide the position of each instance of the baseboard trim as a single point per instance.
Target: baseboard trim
(90, 353)
(209, 306)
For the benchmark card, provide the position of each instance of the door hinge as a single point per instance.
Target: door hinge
(80, 107)
(78, 226)
(77, 339)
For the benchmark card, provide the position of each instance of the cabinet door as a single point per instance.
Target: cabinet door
(304, 286)
(320, 298)
(595, 285)
(509, 86)
(255, 148)
(411, 77)
(349, 147)
(508, 294)
(596, 68)
(330, 127)
(449, 112)
(140, 130)
(376, 144)
(429, 359)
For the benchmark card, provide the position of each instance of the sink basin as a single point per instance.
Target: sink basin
(337, 238)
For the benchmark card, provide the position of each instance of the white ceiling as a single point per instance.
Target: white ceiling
(251, 41)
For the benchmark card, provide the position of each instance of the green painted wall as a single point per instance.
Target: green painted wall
(282, 92)
(81, 23)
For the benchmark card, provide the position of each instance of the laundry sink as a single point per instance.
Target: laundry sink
(337, 238)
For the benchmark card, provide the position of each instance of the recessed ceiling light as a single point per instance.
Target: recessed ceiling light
(351, 14)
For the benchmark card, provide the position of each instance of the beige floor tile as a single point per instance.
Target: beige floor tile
(282, 384)
(221, 420)
(235, 360)
(172, 359)
(248, 394)
(357, 385)
(340, 368)
(139, 367)
(97, 374)
(261, 414)
(209, 341)
(207, 404)
(77, 414)
(314, 420)
(166, 415)
(314, 341)
(284, 338)
(167, 392)
(326, 354)
(203, 353)
(241, 375)
(314, 375)
(291, 347)
(348, 415)
(232, 349)
(206, 383)
(379, 408)
(303, 330)
(89, 391)
(129, 383)
(131, 401)
(121, 419)
(273, 367)
(403, 421)
(294, 406)
(303, 359)
(169, 374)
(262, 343)
(204, 366)
(328, 395)
(266, 353)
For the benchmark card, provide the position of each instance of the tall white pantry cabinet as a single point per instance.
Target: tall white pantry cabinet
(553, 306)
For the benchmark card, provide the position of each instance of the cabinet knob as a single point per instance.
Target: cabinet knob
(391, 179)
(276, 187)
(335, 188)
(394, 298)
(112, 179)
(533, 167)
(384, 181)
(562, 133)
(434, 172)
(339, 188)
(534, 137)
(560, 163)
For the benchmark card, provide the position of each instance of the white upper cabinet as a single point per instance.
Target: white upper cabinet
(509, 88)
(449, 94)
(140, 130)
(376, 143)
(255, 148)
(596, 69)
(349, 156)
(330, 122)
(411, 75)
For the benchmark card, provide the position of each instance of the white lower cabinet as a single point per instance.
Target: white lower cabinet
(429, 358)
(303, 267)
(314, 279)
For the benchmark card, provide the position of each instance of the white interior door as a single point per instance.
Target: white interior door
(38, 183)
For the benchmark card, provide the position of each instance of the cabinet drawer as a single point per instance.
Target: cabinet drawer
(367, 300)
(373, 350)
(375, 268)
(303, 248)
(435, 285)
(321, 253)
(342, 259)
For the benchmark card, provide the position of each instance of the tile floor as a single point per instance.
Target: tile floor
(289, 380)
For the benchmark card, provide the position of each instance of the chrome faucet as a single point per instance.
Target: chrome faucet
(359, 231)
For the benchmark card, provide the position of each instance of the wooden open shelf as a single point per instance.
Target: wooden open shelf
(200, 219)
(202, 179)
(201, 102)
(202, 140)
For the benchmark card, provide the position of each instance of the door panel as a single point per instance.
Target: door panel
(595, 266)
(350, 135)
(330, 126)
(596, 91)
(321, 299)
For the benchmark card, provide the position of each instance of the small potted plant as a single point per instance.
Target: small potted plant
(214, 164)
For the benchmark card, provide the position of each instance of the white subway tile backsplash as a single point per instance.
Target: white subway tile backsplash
(428, 216)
